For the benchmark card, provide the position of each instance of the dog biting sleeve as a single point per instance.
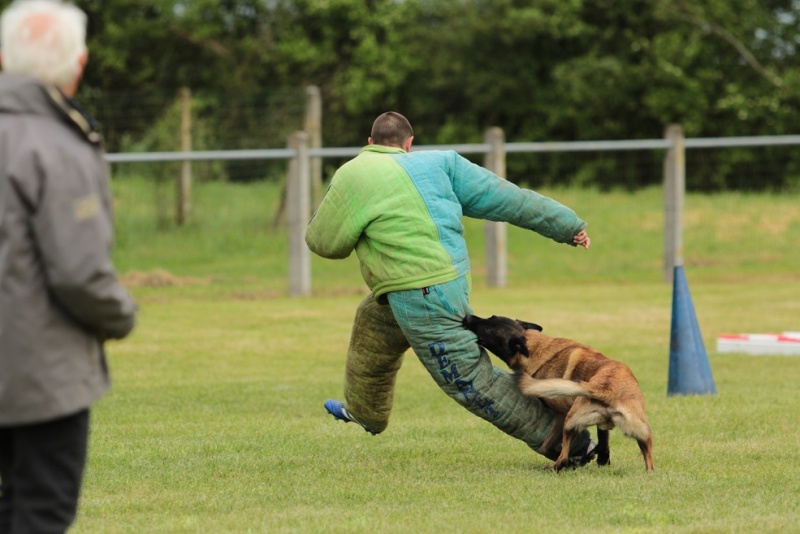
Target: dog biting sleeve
(431, 321)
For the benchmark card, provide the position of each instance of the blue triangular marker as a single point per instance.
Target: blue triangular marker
(689, 370)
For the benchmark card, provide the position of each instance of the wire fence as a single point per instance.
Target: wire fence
(135, 123)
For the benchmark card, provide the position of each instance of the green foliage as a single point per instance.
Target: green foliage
(552, 70)
(171, 44)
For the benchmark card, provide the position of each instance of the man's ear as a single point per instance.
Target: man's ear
(517, 345)
(83, 59)
(529, 326)
(407, 144)
(71, 88)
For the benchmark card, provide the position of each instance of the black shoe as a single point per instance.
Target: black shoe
(586, 456)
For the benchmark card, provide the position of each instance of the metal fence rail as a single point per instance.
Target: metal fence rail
(469, 148)
(300, 156)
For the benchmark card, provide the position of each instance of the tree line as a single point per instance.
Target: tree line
(550, 70)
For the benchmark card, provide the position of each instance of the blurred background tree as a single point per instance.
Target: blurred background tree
(553, 70)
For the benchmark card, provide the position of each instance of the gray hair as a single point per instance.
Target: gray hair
(44, 39)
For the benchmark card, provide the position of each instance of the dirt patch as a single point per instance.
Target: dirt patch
(274, 294)
(158, 278)
(700, 261)
(258, 295)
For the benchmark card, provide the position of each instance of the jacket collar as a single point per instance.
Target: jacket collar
(382, 149)
(76, 114)
(23, 94)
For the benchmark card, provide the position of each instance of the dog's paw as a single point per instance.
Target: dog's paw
(558, 466)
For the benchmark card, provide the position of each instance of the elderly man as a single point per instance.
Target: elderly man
(59, 294)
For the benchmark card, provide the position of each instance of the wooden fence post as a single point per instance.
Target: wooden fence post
(674, 192)
(313, 126)
(496, 248)
(298, 212)
(183, 199)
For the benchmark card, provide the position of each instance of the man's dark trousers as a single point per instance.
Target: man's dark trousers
(41, 468)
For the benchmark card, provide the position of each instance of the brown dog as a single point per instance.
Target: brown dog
(581, 385)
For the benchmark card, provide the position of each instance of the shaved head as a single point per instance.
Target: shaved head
(391, 129)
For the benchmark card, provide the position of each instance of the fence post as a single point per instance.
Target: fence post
(298, 213)
(496, 265)
(313, 125)
(674, 192)
(183, 200)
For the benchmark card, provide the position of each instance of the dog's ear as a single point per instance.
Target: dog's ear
(530, 326)
(517, 345)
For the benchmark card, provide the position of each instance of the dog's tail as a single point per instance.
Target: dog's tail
(552, 388)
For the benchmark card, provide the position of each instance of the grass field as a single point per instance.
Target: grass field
(215, 422)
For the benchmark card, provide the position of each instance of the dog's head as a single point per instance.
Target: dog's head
(503, 336)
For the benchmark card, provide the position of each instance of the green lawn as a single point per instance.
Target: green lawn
(215, 422)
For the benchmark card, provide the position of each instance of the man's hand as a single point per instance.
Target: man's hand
(582, 239)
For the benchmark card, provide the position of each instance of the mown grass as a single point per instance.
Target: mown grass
(215, 421)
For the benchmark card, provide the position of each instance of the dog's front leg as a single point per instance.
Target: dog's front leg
(563, 459)
(574, 424)
(549, 447)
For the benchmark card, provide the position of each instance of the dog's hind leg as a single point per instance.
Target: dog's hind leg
(646, 446)
(603, 454)
(637, 427)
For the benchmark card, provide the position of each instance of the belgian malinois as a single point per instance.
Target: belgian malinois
(581, 385)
